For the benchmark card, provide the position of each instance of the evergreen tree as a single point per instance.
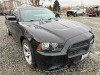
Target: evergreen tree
(56, 6)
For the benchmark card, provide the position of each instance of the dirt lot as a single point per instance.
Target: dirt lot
(12, 61)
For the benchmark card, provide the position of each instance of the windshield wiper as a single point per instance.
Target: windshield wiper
(51, 18)
(33, 20)
(56, 19)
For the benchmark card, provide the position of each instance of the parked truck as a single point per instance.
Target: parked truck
(76, 11)
(93, 11)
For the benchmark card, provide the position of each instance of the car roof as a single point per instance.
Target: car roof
(28, 7)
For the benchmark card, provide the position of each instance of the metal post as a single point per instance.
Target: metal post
(3, 8)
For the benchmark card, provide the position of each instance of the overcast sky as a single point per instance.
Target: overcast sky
(69, 2)
(75, 2)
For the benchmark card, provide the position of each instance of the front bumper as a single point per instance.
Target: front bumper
(91, 14)
(70, 13)
(50, 63)
(70, 53)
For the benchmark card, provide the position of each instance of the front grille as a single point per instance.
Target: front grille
(78, 48)
(70, 12)
(80, 44)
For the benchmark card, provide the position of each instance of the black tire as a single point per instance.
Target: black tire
(89, 15)
(9, 33)
(97, 14)
(83, 14)
(33, 63)
(75, 14)
(68, 15)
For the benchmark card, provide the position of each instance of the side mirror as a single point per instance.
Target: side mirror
(57, 15)
(11, 18)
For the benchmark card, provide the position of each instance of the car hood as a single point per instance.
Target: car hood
(55, 31)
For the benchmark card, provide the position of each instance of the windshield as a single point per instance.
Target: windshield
(74, 8)
(36, 14)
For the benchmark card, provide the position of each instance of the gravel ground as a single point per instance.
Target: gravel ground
(12, 61)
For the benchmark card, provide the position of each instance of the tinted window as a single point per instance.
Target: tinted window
(75, 8)
(15, 12)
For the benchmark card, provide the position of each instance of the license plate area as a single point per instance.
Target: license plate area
(84, 56)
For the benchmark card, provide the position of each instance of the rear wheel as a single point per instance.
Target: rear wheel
(97, 14)
(83, 14)
(28, 53)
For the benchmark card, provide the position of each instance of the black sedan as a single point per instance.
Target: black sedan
(48, 42)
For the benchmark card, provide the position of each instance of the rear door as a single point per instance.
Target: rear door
(13, 25)
(16, 28)
(9, 22)
(79, 11)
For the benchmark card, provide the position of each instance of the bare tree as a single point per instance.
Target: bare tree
(35, 2)
(38, 1)
(11, 4)
(32, 1)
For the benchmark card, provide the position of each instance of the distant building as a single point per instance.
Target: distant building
(10, 4)
(16, 3)
(33, 2)
(1, 9)
(6, 5)
(0, 5)
(25, 4)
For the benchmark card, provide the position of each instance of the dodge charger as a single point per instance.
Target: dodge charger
(48, 42)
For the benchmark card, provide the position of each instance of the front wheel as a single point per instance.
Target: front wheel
(28, 53)
(68, 15)
(97, 14)
(75, 14)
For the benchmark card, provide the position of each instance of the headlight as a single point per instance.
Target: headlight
(45, 46)
(49, 47)
(54, 45)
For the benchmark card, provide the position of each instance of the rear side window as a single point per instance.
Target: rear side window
(13, 12)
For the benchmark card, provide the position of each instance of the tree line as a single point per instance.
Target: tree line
(56, 6)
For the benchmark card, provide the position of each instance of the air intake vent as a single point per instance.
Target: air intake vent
(80, 44)
(78, 48)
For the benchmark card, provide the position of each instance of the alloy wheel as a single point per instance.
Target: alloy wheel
(27, 53)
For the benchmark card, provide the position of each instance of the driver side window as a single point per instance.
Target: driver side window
(13, 12)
